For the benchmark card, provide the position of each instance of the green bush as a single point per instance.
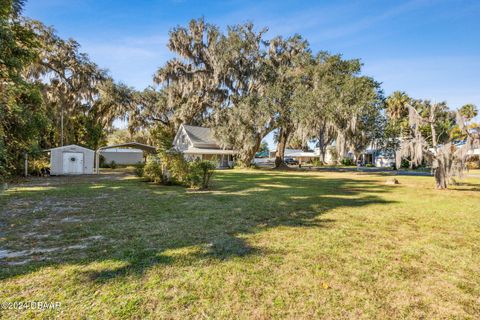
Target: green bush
(113, 165)
(37, 165)
(3, 174)
(473, 162)
(473, 165)
(317, 163)
(175, 168)
(347, 162)
(167, 168)
(3, 163)
(172, 168)
(200, 173)
(405, 164)
(153, 170)
(369, 165)
(139, 169)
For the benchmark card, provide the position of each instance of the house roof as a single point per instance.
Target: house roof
(193, 150)
(297, 153)
(201, 136)
(303, 154)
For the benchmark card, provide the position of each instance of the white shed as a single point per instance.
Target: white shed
(71, 159)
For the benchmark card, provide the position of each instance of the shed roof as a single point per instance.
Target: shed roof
(70, 146)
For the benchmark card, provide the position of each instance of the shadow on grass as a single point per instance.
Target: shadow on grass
(141, 223)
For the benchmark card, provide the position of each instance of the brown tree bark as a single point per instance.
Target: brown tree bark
(245, 159)
(440, 177)
(440, 171)
(322, 144)
(282, 143)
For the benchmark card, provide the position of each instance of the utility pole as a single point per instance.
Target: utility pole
(61, 127)
(26, 164)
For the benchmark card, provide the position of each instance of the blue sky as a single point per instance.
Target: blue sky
(430, 49)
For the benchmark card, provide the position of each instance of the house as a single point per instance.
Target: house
(71, 159)
(304, 156)
(199, 143)
(383, 160)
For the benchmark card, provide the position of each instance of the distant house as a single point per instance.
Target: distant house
(199, 143)
(304, 156)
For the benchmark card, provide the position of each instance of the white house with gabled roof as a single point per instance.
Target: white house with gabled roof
(199, 143)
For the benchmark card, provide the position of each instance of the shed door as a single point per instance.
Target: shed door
(72, 163)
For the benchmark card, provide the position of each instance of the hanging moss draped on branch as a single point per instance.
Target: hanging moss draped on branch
(421, 144)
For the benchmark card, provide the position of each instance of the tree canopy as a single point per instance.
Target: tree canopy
(238, 82)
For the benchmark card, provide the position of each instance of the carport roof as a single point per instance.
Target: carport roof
(136, 145)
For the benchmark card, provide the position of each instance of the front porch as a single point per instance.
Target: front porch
(223, 158)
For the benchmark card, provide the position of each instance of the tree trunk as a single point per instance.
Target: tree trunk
(356, 157)
(440, 171)
(321, 144)
(440, 178)
(245, 160)
(282, 143)
(323, 152)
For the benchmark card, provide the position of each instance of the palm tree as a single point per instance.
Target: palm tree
(469, 111)
(397, 105)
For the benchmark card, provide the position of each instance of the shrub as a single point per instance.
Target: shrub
(172, 168)
(369, 165)
(472, 165)
(473, 162)
(37, 166)
(153, 170)
(3, 162)
(347, 162)
(175, 168)
(200, 173)
(3, 174)
(317, 163)
(113, 165)
(139, 169)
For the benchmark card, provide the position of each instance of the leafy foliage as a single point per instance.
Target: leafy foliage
(347, 162)
(51, 92)
(201, 173)
(172, 168)
(427, 140)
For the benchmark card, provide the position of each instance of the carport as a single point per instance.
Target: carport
(136, 145)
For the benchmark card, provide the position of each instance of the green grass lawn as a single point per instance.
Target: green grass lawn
(260, 244)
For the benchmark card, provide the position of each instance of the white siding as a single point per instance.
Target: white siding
(122, 157)
(56, 159)
(181, 141)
